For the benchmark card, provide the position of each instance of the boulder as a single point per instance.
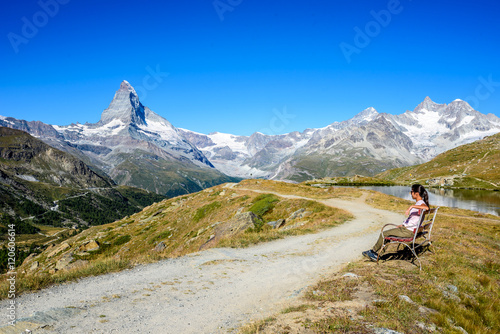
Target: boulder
(350, 275)
(76, 264)
(64, 261)
(297, 213)
(276, 224)
(406, 299)
(272, 224)
(239, 223)
(62, 247)
(88, 246)
(160, 247)
(34, 265)
(451, 296)
(279, 223)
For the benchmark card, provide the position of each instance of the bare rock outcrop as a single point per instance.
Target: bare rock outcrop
(88, 246)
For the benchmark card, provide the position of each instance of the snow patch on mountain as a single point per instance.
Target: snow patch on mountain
(424, 127)
(112, 128)
(235, 143)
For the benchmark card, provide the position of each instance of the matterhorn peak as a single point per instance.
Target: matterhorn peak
(125, 107)
(126, 86)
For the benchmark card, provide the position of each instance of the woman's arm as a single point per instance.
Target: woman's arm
(421, 206)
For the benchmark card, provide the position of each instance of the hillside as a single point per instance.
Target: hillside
(218, 216)
(42, 186)
(474, 165)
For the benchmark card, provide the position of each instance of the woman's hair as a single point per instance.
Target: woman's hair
(418, 188)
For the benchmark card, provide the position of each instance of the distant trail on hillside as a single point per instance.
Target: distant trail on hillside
(213, 291)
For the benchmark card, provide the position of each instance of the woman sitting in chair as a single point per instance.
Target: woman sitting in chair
(406, 230)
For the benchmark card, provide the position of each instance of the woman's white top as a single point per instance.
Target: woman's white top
(413, 219)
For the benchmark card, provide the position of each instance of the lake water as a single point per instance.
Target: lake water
(484, 201)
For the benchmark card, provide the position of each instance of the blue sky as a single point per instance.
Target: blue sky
(241, 66)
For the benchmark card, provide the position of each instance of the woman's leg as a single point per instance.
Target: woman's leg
(402, 232)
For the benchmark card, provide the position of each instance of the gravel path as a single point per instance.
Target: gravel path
(214, 291)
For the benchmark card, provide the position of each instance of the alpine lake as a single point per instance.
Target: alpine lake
(484, 201)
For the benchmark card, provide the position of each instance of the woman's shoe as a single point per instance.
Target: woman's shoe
(371, 255)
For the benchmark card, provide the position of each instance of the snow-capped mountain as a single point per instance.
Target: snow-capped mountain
(435, 128)
(127, 125)
(133, 145)
(368, 143)
(258, 155)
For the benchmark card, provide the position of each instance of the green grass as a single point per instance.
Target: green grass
(262, 204)
(205, 210)
(123, 239)
(160, 236)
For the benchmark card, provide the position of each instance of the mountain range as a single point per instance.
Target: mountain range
(367, 144)
(137, 147)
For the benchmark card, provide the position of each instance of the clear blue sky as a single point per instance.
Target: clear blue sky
(232, 74)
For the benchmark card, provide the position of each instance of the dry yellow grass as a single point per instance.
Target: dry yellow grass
(300, 189)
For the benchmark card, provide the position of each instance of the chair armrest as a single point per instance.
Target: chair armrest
(387, 225)
(382, 229)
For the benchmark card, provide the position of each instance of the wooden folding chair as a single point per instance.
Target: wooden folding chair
(423, 231)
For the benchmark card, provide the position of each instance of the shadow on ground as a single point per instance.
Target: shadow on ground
(403, 253)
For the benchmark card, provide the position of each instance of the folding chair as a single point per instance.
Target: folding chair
(423, 231)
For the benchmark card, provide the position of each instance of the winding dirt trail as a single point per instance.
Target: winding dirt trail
(214, 291)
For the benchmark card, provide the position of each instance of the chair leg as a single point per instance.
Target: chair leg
(416, 256)
(429, 247)
(381, 251)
